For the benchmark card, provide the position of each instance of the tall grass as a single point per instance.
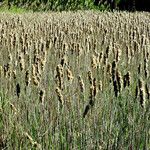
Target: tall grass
(74, 80)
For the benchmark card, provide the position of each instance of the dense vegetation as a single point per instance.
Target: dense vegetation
(74, 81)
(59, 5)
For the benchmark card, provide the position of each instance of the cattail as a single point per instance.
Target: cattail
(87, 108)
(113, 70)
(136, 91)
(93, 62)
(33, 70)
(128, 55)
(90, 77)
(114, 64)
(147, 55)
(14, 74)
(42, 96)
(119, 80)
(101, 57)
(38, 69)
(21, 62)
(81, 84)
(92, 96)
(108, 69)
(6, 69)
(118, 55)
(59, 76)
(59, 70)
(94, 87)
(60, 96)
(43, 62)
(146, 72)
(147, 91)
(27, 78)
(10, 57)
(105, 60)
(115, 88)
(142, 93)
(35, 80)
(78, 50)
(107, 52)
(100, 86)
(145, 63)
(139, 68)
(1, 71)
(63, 61)
(91, 101)
(69, 75)
(18, 90)
(127, 79)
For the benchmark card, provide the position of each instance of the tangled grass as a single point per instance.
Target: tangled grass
(75, 80)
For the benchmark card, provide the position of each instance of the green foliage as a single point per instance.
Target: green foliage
(54, 5)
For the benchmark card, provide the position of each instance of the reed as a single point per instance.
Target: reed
(74, 80)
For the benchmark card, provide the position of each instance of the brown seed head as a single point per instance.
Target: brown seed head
(69, 75)
(81, 84)
(90, 77)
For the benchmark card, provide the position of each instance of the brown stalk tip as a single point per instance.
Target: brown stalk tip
(18, 90)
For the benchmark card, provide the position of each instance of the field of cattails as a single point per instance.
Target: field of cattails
(75, 81)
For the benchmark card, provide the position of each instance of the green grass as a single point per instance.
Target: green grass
(13, 9)
(67, 5)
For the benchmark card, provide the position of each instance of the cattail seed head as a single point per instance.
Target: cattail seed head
(114, 64)
(107, 51)
(95, 87)
(100, 86)
(18, 90)
(1, 71)
(119, 80)
(59, 70)
(33, 70)
(6, 69)
(42, 96)
(115, 88)
(27, 78)
(108, 70)
(60, 96)
(142, 93)
(139, 68)
(35, 80)
(146, 72)
(63, 61)
(118, 55)
(43, 62)
(14, 74)
(21, 63)
(81, 84)
(100, 57)
(137, 91)
(127, 79)
(91, 91)
(69, 75)
(147, 91)
(90, 77)
(93, 62)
